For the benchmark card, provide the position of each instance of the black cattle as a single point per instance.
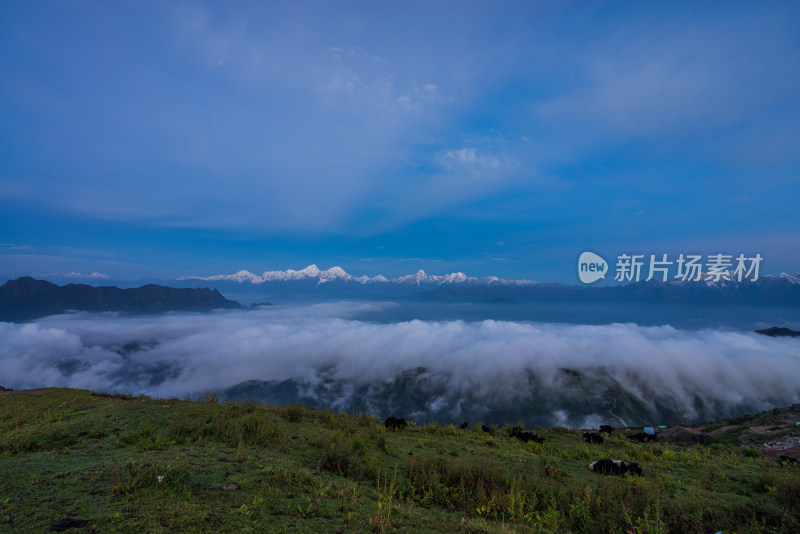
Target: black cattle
(787, 460)
(525, 437)
(487, 429)
(68, 523)
(606, 428)
(464, 425)
(615, 467)
(395, 423)
(641, 437)
(592, 437)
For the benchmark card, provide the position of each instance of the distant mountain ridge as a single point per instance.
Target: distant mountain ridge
(313, 273)
(28, 298)
(776, 331)
(781, 290)
(312, 283)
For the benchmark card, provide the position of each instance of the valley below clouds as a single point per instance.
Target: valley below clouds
(328, 355)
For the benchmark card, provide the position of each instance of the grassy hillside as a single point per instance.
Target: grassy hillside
(148, 465)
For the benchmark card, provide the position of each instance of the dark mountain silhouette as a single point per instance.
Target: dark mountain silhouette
(27, 298)
(778, 332)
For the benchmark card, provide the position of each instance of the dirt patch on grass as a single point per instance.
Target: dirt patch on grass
(767, 429)
(27, 392)
(794, 452)
(682, 431)
(679, 431)
(721, 430)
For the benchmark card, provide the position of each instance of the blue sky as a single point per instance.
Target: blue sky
(154, 139)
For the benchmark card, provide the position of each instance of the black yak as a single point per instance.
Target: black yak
(615, 467)
(525, 437)
(464, 425)
(395, 423)
(487, 429)
(592, 437)
(641, 437)
(606, 428)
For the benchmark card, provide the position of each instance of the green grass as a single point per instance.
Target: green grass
(148, 465)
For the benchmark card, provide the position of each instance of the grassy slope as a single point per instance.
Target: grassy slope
(71, 453)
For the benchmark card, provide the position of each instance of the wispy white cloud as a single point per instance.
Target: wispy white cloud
(468, 162)
(675, 76)
(12, 246)
(224, 42)
(370, 81)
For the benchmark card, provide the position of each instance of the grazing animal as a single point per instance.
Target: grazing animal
(487, 429)
(641, 437)
(464, 425)
(525, 437)
(68, 523)
(395, 423)
(787, 460)
(606, 428)
(615, 467)
(592, 437)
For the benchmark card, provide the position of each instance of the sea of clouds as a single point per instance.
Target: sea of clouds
(188, 354)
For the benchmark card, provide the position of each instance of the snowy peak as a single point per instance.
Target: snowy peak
(240, 276)
(310, 271)
(794, 279)
(418, 278)
(334, 273)
(454, 278)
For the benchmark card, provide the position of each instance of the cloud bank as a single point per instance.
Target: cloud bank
(487, 362)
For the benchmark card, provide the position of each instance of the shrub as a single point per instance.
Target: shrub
(143, 473)
(463, 485)
(340, 456)
(750, 452)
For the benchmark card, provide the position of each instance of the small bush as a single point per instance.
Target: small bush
(454, 484)
(48, 439)
(340, 456)
(255, 427)
(384, 445)
(294, 413)
(142, 474)
(145, 439)
(750, 452)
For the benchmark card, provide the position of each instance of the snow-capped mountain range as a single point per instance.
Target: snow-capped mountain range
(781, 290)
(313, 273)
